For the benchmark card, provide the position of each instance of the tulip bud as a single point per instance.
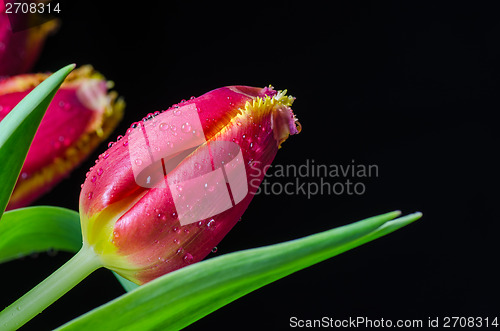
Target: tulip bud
(166, 193)
(81, 115)
(20, 49)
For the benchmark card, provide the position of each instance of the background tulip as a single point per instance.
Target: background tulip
(20, 49)
(81, 115)
(167, 192)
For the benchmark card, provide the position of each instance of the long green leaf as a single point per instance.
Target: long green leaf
(180, 298)
(38, 229)
(18, 128)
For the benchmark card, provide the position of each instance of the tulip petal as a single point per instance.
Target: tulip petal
(178, 181)
(80, 116)
(19, 50)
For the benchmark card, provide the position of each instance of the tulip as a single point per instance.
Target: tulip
(167, 192)
(81, 115)
(20, 49)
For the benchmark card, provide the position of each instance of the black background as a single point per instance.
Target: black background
(411, 87)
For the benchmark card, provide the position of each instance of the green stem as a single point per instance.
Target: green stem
(52, 288)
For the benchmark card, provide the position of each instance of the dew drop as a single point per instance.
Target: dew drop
(170, 144)
(177, 112)
(110, 144)
(100, 171)
(188, 258)
(94, 178)
(214, 250)
(138, 162)
(186, 127)
(211, 224)
(176, 241)
(197, 166)
(163, 126)
(89, 196)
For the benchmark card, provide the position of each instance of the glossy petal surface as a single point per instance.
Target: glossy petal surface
(179, 180)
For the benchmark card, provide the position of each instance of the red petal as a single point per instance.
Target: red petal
(19, 50)
(177, 218)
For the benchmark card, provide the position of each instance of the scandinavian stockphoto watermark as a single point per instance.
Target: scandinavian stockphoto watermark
(205, 178)
(311, 178)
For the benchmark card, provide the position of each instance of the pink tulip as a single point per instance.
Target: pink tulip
(81, 115)
(20, 49)
(166, 193)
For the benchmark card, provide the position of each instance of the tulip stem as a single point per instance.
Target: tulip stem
(52, 288)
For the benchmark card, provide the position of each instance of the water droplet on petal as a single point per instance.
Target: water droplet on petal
(211, 224)
(186, 127)
(100, 171)
(164, 126)
(177, 112)
(89, 196)
(138, 162)
(188, 258)
(214, 250)
(93, 179)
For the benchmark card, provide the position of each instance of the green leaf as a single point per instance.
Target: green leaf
(180, 298)
(18, 128)
(38, 229)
